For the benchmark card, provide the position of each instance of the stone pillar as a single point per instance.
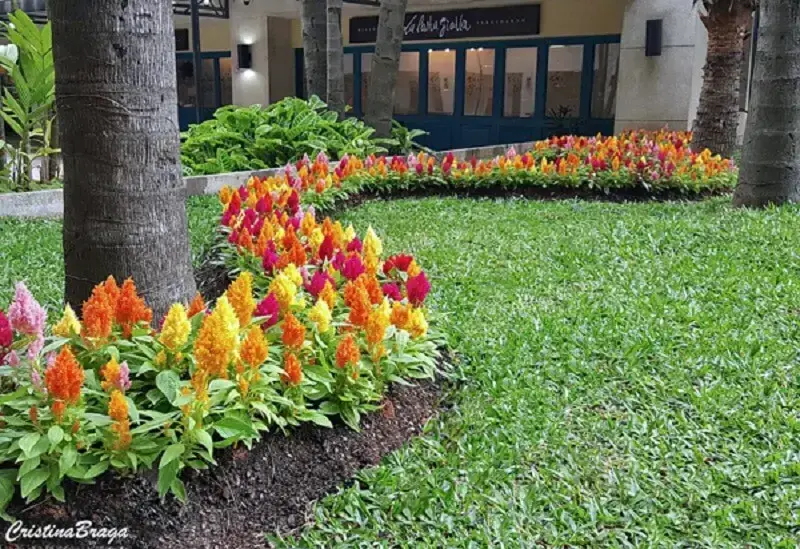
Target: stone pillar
(661, 91)
(249, 25)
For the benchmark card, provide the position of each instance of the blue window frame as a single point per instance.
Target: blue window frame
(186, 111)
(458, 130)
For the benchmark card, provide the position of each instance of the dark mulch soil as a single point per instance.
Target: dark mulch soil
(269, 489)
(639, 194)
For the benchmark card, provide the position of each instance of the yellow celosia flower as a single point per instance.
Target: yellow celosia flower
(217, 340)
(320, 314)
(225, 195)
(417, 325)
(284, 290)
(372, 244)
(293, 274)
(413, 268)
(175, 332)
(69, 324)
(316, 238)
(349, 233)
(308, 224)
(240, 297)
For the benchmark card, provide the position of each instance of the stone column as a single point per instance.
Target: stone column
(661, 91)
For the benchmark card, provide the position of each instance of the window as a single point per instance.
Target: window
(349, 82)
(479, 82)
(520, 99)
(187, 94)
(604, 83)
(441, 81)
(406, 92)
(406, 89)
(564, 68)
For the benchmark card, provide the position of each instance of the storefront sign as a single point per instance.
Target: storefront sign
(466, 23)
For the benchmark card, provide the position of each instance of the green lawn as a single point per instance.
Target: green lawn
(630, 376)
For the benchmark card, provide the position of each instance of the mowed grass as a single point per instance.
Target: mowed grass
(629, 375)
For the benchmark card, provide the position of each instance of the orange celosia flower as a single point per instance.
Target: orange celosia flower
(373, 288)
(400, 315)
(294, 333)
(240, 296)
(198, 305)
(245, 240)
(33, 414)
(131, 309)
(118, 411)
(293, 372)
(357, 298)
(58, 408)
(347, 352)
(65, 377)
(255, 349)
(99, 311)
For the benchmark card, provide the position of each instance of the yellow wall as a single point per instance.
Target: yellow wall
(215, 34)
(558, 18)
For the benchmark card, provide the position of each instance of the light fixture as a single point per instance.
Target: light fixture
(245, 54)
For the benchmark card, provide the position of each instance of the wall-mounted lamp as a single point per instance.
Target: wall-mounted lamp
(653, 37)
(245, 54)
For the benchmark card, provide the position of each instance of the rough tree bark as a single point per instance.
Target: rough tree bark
(54, 160)
(770, 170)
(315, 59)
(385, 64)
(124, 206)
(727, 23)
(335, 58)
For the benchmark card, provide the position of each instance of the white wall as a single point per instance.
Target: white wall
(661, 91)
(249, 25)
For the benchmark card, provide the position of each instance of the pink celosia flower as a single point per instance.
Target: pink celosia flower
(269, 308)
(270, 258)
(12, 359)
(353, 267)
(124, 376)
(36, 346)
(322, 158)
(417, 288)
(355, 245)
(317, 283)
(391, 290)
(25, 313)
(6, 336)
(36, 377)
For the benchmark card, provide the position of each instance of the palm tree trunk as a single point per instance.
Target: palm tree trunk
(124, 206)
(770, 171)
(314, 47)
(385, 64)
(54, 159)
(335, 58)
(718, 111)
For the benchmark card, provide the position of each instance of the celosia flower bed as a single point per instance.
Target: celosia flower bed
(652, 162)
(316, 324)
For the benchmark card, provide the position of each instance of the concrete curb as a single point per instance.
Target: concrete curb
(51, 203)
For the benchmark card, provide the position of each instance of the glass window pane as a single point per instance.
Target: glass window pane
(186, 92)
(520, 99)
(207, 83)
(349, 82)
(441, 81)
(479, 84)
(226, 80)
(366, 69)
(406, 92)
(604, 84)
(564, 67)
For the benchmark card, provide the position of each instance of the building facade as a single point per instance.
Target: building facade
(476, 72)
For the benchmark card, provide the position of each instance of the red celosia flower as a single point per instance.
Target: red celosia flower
(417, 288)
(326, 248)
(235, 205)
(270, 308)
(347, 352)
(294, 333)
(293, 372)
(6, 336)
(392, 290)
(65, 377)
(131, 309)
(399, 262)
(294, 202)
(264, 204)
